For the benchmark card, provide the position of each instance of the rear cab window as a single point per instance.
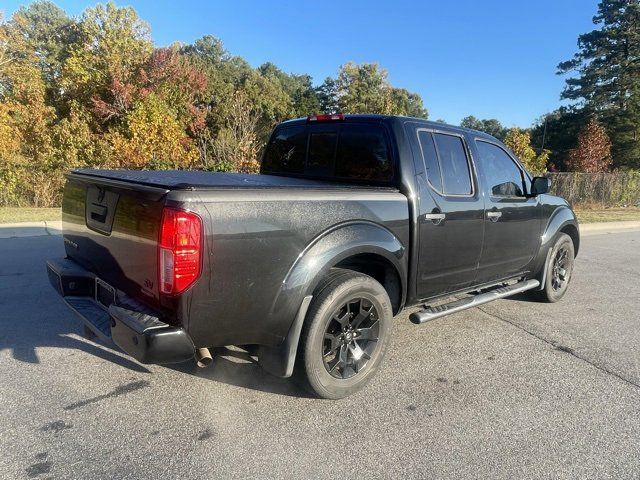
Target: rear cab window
(356, 152)
(287, 150)
(322, 151)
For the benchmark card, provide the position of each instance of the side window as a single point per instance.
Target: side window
(502, 174)
(363, 154)
(286, 151)
(430, 158)
(456, 177)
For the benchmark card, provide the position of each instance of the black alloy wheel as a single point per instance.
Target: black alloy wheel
(350, 338)
(559, 276)
(345, 335)
(558, 270)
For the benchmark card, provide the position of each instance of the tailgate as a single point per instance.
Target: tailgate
(111, 228)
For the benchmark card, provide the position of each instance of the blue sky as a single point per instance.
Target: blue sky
(491, 58)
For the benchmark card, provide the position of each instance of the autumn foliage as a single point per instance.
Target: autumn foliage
(593, 152)
(519, 141)
(94, 91)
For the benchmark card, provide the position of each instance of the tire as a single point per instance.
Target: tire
(345, 335)
(559, 268)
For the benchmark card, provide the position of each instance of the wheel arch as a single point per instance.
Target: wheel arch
(364, 247)
(382, 270)
(572, 230)
(561, 220)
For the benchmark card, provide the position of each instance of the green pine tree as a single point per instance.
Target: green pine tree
(606, 76)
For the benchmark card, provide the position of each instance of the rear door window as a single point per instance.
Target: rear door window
(456, 176)
(430, 158)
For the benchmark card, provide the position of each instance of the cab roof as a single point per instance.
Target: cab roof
(378, 118)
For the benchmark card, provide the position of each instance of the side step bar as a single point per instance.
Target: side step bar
(431, 313)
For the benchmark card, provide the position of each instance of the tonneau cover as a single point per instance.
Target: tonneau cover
(201, 180)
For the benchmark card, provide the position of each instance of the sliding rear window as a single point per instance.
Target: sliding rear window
(347, 151)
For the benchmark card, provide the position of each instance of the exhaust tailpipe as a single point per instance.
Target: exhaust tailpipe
(203, 357)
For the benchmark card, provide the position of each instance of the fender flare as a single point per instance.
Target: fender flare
(339, 243)
(561, 218)
(325, 251)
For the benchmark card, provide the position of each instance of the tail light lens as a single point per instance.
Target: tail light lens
(179, 250)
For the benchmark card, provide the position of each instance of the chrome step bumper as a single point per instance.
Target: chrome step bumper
(137, 331)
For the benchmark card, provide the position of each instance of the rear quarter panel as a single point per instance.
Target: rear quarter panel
(252, 240)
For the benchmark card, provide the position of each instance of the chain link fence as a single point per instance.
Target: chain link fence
(597, 189)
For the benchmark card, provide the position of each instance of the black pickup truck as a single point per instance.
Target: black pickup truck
(352, 219)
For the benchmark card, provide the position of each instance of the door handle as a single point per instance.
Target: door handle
(494, 216)
(98, 212)
(436, 218)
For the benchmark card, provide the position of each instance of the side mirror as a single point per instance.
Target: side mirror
(540, 185)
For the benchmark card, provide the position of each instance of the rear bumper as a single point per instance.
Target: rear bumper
(130, 325)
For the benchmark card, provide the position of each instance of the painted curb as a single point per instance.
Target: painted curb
(30, 229)
(608, 227)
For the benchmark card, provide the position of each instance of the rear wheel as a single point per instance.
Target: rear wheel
(345, 336)
(559, 268)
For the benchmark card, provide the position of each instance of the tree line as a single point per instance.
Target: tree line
(599, 130)
(94, 91)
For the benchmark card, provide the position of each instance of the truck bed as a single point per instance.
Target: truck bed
(254, 229)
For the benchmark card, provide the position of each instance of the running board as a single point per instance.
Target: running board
(431, 313)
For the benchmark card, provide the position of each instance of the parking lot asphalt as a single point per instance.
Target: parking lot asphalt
(513, 389)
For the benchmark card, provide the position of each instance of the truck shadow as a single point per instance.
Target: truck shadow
(32, 315)
(522, 297)
(234, 366)
(24, 340)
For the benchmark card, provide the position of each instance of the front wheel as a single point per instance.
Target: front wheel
(345, 335)
(559, 268)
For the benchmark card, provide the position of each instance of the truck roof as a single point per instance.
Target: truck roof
(378, 118)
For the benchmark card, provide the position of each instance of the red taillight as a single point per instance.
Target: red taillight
(179, 250)
(325, 117)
